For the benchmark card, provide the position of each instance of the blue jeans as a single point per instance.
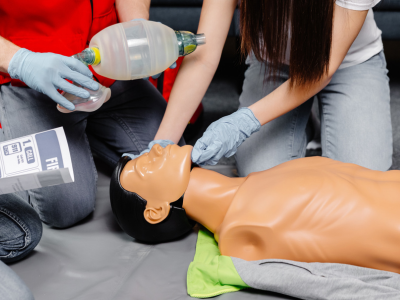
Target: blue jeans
(20, 232)
(355, 119)
(126, 123)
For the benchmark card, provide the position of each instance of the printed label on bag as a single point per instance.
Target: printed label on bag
(35, 161)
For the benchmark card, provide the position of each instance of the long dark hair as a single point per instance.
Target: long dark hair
(265, 26)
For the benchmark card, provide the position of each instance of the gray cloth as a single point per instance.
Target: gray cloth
(319, 281)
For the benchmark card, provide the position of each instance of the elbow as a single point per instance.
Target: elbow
(333, 67)
(210, 65)
(208, 60)
(327, 79)
(330, 74)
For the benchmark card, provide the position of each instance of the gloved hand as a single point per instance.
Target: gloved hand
(173, 66)
(224, 136)
(45, 73)
(162, 143)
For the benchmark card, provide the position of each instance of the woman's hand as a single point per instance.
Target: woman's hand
(162, 143)
(224, 136)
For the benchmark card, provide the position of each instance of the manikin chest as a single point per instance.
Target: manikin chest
(322, 212)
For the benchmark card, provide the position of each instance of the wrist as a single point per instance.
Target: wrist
(8, 50)
(250, 119)
(173, 132)
(16, 62)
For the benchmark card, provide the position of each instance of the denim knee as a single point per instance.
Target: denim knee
(65, 208)
(378, 160)
(11, 286)
(20, 229)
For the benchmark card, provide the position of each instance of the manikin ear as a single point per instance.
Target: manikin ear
(156, 215)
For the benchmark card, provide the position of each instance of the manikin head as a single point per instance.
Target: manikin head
(147, 193)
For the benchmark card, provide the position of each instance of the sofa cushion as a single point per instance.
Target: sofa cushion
(177, 3)
(391, 5)
(389, 23)
(186, 18)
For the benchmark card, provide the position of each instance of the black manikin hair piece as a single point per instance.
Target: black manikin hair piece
(128, 209)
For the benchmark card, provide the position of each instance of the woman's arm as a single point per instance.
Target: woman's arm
(346, 26)
(132, 9)
(197, 69)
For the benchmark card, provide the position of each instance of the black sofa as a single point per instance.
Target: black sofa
(185, 15)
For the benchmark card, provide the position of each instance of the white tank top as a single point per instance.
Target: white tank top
(369, 40)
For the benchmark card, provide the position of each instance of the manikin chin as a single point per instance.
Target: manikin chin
(309, 209)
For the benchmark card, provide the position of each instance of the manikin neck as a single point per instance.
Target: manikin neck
(208, 197)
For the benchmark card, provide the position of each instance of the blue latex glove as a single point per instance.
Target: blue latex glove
(45, 73)
(173, 66)
(224, 136)
(162, 143)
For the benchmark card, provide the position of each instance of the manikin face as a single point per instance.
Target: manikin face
(160, 177)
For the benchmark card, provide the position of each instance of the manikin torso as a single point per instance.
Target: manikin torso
(310, 210)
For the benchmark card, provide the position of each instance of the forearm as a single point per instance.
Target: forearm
(197, 69)
(7, 51)
(346, 26)
(284, 99)
(132, 9)
(191, 84)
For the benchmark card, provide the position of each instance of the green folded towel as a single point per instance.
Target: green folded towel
(211, 274)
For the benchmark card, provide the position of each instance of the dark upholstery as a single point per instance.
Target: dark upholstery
(185, 15)
(388, 5)
(387, 16)
(197, 3)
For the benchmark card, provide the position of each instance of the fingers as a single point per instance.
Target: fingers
(63, 110)
(207, 150)
(77, 66)
(70, 88)
(78, 73)
(133, 156)
(80, 79)
(56, 96)
(210, 155)
(173, 66)
(144, 151)
(130, 155)
(162, 143)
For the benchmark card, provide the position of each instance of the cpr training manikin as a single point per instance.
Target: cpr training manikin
(309, 209)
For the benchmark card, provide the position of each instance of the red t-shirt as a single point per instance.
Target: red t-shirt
(59, 26)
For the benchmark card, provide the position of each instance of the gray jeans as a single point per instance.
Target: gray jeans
(126, 123)
(355, 119)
